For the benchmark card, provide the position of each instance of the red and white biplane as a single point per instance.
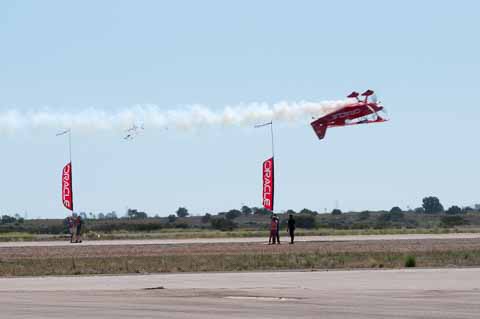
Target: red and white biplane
(358, 112)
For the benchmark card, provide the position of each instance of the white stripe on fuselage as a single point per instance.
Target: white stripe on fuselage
(345, 114)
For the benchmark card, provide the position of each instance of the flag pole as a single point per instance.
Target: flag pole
(273, 149)
(69, 132)
(271, 132)
(71, 166)
(70, 144)
(273, 164)
(273, 145)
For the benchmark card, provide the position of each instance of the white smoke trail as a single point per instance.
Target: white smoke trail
(152, 116)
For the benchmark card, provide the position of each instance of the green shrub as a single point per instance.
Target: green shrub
(336, 211)
(393, 217)
(410, 261)
(452, 221)
(306, 221)
(223, 224)
(206, 218)
(454, 210)
(364, 215)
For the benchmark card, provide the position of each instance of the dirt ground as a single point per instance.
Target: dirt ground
(397, 246)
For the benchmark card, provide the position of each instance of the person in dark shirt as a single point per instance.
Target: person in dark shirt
(291, 228)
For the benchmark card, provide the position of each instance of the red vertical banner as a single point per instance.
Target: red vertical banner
(268, 184)
(67, 194)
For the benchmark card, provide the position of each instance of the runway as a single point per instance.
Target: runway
(417, 293)
(241, 240)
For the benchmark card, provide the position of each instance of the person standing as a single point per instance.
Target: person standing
(291, 228)
(273, 230)
(79, 223)
(70, 224)
(73, 224)
(277, 235)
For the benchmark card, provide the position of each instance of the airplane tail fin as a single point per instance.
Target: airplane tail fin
(353, 95)
(320, 129)
(368, 93)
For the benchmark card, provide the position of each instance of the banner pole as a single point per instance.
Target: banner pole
(273, 166)
(69, 132)
(70, 144)
(273, 145)
(71, 165)
(273, 159)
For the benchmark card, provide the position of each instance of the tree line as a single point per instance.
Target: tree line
(231, 219)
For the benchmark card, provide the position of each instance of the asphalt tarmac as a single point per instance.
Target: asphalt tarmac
(242, 240)
(413, 293)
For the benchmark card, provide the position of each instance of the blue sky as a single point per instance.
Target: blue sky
(422, 58)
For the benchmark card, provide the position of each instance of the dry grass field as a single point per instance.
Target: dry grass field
(118, 259)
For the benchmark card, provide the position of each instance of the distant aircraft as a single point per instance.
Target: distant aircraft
(133, 131)
(355, 113)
